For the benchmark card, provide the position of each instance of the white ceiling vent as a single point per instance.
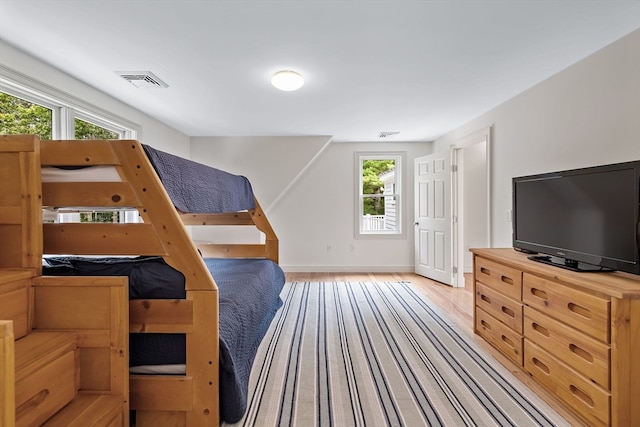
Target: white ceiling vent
(142, 79)
(387, 135)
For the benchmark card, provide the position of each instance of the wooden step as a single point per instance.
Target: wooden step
(46, 375)
(90, 410)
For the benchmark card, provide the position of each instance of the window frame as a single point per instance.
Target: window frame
(65, 108)
(400, 160)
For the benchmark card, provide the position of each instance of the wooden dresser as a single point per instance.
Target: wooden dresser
(577, 334)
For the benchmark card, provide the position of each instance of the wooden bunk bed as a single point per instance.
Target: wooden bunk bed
(189, 398)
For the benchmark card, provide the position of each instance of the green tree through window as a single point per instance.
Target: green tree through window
(18, 116)
(86, 130)
(372, 184)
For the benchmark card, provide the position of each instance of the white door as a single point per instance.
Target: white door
(433, 224)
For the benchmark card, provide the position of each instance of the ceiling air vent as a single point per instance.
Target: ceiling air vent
(387, 135)
(142, 79)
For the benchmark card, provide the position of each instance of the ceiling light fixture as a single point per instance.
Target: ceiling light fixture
(287, 80)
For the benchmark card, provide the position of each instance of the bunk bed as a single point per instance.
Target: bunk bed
(197, 312)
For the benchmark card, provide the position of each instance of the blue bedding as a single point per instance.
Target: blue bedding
(249, 293)
(197, 188)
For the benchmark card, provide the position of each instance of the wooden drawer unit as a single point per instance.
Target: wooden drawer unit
(505, 309)
(579, 336)
(586, 355)
(500, 336)
(506, 280)
(15, 297)
(584, 311)
(46, 375)
(586, 398)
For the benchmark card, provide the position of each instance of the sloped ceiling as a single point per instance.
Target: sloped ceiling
(420, 68)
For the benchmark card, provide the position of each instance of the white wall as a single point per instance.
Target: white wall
(271, 163)
(153, 132)
(307, 185)
(586, 115)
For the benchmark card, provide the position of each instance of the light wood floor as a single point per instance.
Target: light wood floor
(457, 303)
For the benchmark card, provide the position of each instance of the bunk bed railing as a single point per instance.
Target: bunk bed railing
(140, 188)
(253, 217)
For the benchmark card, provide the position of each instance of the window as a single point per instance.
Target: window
(379, 207)
(30, 107)
(19, 116)
(86, 130)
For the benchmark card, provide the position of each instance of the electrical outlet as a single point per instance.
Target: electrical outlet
(509, 215)
(328, 248)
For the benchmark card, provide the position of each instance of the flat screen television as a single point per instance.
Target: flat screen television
(581, 219)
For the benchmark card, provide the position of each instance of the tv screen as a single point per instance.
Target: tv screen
(582, 219)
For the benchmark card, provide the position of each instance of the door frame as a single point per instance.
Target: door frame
(458, 198)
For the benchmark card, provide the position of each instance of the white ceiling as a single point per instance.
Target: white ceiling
(420, 68)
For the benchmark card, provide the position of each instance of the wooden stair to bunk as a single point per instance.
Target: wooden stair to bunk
(59, 376)
(47, 376)
(64, 341)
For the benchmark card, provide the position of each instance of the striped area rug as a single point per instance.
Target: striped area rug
(379, 354)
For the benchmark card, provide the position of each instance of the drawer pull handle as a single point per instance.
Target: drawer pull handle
(507, 280)
(485, 271)
(507, 341)
(581, 353)
(581, 395)
(485, 325)
(544, 368)
(485, 299)
(539, 293)
(508, 311)
(580, 310)
(32, 403)
(540, 329)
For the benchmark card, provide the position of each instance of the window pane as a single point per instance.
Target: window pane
(86, 130)
(18, 116)
(384, 217)
(372, 170)
(109, 216)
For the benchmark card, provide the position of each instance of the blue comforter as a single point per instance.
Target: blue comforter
(197, 188)
(249, 294)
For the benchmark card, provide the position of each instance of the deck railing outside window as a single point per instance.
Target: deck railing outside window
(373, 222)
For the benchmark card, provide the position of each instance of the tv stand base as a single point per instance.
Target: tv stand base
(568, 264)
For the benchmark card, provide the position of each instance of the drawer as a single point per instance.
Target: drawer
(14, 305)
(506, 280)
(586, 398)
(585, 312)
(499, 335)
(499, 306)
(46, 391)
(586, 355)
